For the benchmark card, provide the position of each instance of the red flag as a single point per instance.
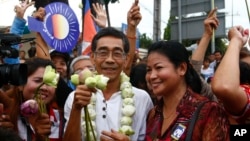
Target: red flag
(89, 29)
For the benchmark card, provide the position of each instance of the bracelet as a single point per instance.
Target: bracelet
(131, 37)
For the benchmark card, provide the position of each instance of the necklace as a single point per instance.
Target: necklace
(168, 116)
(128, 107)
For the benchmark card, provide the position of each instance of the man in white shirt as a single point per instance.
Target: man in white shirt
(110, 49)
(193, 46)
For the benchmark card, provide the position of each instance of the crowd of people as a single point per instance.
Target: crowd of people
(173, 96)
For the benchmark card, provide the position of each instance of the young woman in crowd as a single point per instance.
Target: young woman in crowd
(39, 125)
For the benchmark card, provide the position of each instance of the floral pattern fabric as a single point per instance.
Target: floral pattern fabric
(211, 125)
(245, 117)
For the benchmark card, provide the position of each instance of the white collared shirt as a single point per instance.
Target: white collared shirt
(143, 104)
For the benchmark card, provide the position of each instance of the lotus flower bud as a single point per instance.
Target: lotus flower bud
(128, 101)
(127, 93)
(126, 120)
(101, 81)
(125, 85)
(124, 77)
(90, 82)
(127, 130)
(83, 75)
(75, 79)
(128, 110)
(50, 77)
(29, 107)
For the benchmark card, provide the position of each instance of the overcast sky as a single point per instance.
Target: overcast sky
(118, 12)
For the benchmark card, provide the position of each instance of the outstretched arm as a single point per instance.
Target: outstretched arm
(42, 49)
(226, 81)
(133, 19)
(210, 23)
(18, 26)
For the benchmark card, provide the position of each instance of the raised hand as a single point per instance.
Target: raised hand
(101, 17)
(39, 14)
(211, 22)
(134, 16)
(238, 33)
(20, 9)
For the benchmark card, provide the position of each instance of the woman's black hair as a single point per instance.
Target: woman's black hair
(178, 54)
(137, 76)
(62, 90)
(244, 73)
(34, 63)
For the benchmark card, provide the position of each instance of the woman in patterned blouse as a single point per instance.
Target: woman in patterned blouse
(171, 76)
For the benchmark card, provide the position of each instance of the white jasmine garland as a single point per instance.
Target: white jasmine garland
(128, 108)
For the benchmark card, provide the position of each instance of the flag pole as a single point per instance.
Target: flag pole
(83, 15)
(213, 36)
(107, 12)
(247, 11)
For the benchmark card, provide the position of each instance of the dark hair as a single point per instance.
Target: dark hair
(244, 52)
(34, 63)
(32, 52)
(110, 31)
(137, 76)
(7, 134)
(206, 59)
(218, 51)
(43, 3)
(244, 73)
(178, 54)
(64, 55)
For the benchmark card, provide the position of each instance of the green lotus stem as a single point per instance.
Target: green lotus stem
(87, 123)
(41, 105)
(37, 90)
(91, 126)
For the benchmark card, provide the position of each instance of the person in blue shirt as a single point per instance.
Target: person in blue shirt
(17, 27)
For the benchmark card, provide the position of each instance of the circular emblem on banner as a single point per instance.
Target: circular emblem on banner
(61, 27)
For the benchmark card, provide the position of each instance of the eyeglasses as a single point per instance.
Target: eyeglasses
(104, 54)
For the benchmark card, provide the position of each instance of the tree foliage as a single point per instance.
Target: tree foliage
(145, 41)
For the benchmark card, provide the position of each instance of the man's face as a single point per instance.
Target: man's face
(22, 54)
(211, 58)
(109, 57)
(217, 56)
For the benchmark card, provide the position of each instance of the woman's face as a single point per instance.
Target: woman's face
(61, 66)
(33, 81)
(162, 76)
